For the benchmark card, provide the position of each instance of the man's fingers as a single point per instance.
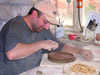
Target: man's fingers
(89, 56)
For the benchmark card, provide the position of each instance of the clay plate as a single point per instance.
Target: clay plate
(61, 57)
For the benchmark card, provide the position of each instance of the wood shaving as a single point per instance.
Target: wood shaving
(82, 68)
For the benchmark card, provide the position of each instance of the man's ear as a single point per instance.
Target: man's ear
(35, 13)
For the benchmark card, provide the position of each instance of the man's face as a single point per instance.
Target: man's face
(41, 23)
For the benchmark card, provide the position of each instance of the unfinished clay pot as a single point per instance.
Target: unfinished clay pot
(61, 57)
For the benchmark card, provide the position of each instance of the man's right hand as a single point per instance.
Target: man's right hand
(49, 45)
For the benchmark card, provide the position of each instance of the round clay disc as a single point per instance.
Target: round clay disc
(61, 57)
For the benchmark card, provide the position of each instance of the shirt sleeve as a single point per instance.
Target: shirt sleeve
(10, 41)
(50, 36)
(11, 37)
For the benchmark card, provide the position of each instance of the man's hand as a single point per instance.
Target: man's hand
(87, 54)
(49, 45)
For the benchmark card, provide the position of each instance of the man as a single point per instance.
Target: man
(27, 38)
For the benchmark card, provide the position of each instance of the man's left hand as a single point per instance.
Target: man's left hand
(87, 54)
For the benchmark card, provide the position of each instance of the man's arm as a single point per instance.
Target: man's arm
(23, 50)
(71, 49)
(86, 54)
